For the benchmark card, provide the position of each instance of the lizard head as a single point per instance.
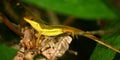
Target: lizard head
(34, 24)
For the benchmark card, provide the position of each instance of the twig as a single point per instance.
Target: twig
(53, 18)
(69, 20)
(9, 24)
(10, 11)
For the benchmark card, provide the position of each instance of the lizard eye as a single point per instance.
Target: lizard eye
(31, 19)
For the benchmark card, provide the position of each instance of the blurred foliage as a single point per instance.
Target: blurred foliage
(91, 10)
(103, 53)
(88, 9)
(7, 53)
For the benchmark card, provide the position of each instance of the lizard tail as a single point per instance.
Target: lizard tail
(75, 31)
(101, 42)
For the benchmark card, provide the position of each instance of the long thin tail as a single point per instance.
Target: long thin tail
(75, 31)
(101, 42)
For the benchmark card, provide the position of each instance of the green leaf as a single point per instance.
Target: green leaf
(90, 9)
(104, 53)
(7, 53)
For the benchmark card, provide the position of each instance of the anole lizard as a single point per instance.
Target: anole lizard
(60, 29)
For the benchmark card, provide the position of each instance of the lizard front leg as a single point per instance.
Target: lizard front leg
(38, 39)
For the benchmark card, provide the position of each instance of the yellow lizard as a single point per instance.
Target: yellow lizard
(60, 29)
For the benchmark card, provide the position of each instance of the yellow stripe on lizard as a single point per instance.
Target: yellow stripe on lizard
(44, 31)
